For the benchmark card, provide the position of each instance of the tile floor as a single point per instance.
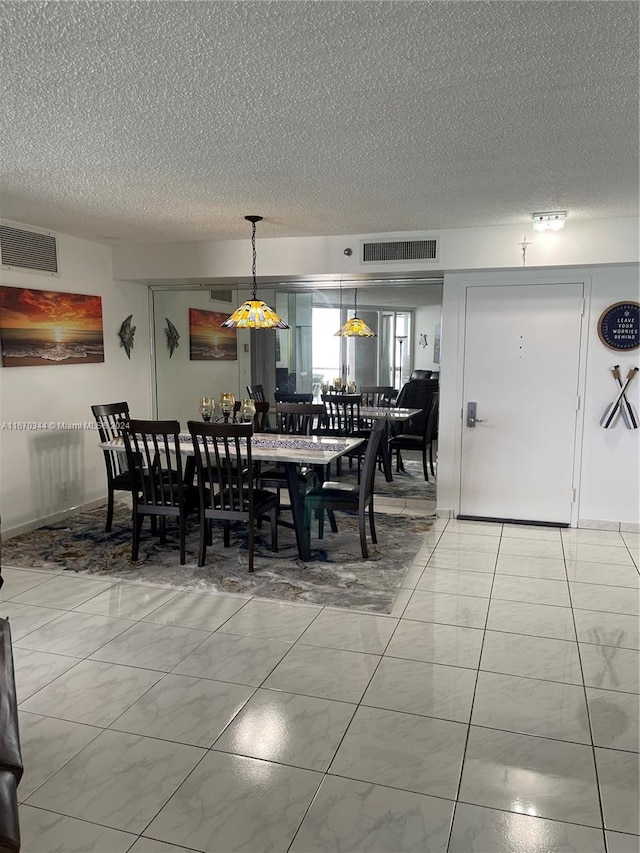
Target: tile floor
(495, 710)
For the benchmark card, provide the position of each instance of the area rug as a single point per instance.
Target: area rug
(336, 575)
(409, 483)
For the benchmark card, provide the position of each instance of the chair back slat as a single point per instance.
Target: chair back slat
(223, 455)
(342, 413)
(152, 449)
(299, 418)
(379, 396)
(111, 419)
(256, 392)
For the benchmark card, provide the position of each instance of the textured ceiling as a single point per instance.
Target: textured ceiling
(163, 121)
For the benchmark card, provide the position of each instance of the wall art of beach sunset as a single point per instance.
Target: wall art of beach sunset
(207, 341)
(45, 327)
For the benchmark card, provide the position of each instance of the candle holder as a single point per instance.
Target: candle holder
(247, 411)
(207, 407)
(227, 401)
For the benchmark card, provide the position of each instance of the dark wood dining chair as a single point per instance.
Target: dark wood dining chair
(418, 434)
(222, 453)
(379, 396)
(159, 491)
(332, 496)
(111, 419)
(256, 392)
(294, 419)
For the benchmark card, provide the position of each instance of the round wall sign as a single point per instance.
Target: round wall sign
(618, 326)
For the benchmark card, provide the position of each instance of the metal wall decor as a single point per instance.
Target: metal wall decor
(619, 327)
(126, 335)
(173, 336)
(620, 403)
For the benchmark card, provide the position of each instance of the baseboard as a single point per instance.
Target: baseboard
(599, 524)
(28, 526)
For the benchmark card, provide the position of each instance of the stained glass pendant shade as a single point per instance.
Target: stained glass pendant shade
(355, 327)
(254, 314)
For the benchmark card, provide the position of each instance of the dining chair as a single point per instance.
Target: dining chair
(332, 496)
(222, 452)
(111, 419)
(256, 392)
(159, 490)
(379, 396)
(418, 434)
(294, 419)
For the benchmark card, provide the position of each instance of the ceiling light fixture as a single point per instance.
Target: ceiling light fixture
(254, 314)
(550, 221)
(355, 327)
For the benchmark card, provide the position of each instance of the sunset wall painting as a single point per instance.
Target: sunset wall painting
(207, 341)
(45, 327)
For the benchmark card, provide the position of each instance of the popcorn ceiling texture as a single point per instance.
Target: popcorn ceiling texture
(172, 120)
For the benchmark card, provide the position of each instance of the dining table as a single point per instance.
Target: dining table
(289, 450)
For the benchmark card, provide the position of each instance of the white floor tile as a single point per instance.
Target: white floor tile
(34, 670)
(531, 590)
(151, 646)
(532, 657)
(532, 547)
(46, 832)
(480, 830)
(435, 643)
(416, 687)
(233, 803)
(607, 629)
(350, 631)
(611, 668)
(456, 582)
(550, 568)
(271, 620)
(463, 610)
(197, 610)
(531, 775)
(613, 599)
(110, 782)
(616, 555)
(92, 692)
(17, 582)
(127, 601)
(63, 591)
(357, 816)
(615, 719)
(530, 706)
(74, 634)
(25, 618)
(537, 620)
(227, 657)
(301, 731)
(618, 777)
(184, 709)
(468, 561)
(420, 754)
(326, 673)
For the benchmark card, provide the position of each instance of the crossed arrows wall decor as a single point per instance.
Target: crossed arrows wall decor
(620, 403)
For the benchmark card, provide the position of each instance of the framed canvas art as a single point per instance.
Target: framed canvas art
(207, 341)
(47, 327)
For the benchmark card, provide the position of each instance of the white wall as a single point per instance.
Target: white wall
(609, 467)
(426, 318)
(603, 241)
(42, 472)
(181, 382)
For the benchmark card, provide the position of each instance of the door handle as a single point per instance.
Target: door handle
(472, 420)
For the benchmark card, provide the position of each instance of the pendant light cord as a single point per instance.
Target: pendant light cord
(253, 265)
(355, 303)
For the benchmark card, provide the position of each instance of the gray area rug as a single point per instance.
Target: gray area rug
(336, 575)
(409, 483)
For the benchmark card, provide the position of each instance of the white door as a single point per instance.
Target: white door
(521, 369)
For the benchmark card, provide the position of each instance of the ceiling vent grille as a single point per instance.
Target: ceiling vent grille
(221, 296)
(401, 250)
(35, 251)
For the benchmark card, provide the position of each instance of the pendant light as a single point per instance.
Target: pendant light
(355, 327)
(254, 314)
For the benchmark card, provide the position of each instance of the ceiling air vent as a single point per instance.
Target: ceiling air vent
(35, 251)
(401, 250)
(221, 296)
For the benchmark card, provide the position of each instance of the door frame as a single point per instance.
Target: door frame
(515, 278)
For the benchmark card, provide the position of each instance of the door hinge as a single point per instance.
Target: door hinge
(582, 307)
(573, 496)
(578, 403)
